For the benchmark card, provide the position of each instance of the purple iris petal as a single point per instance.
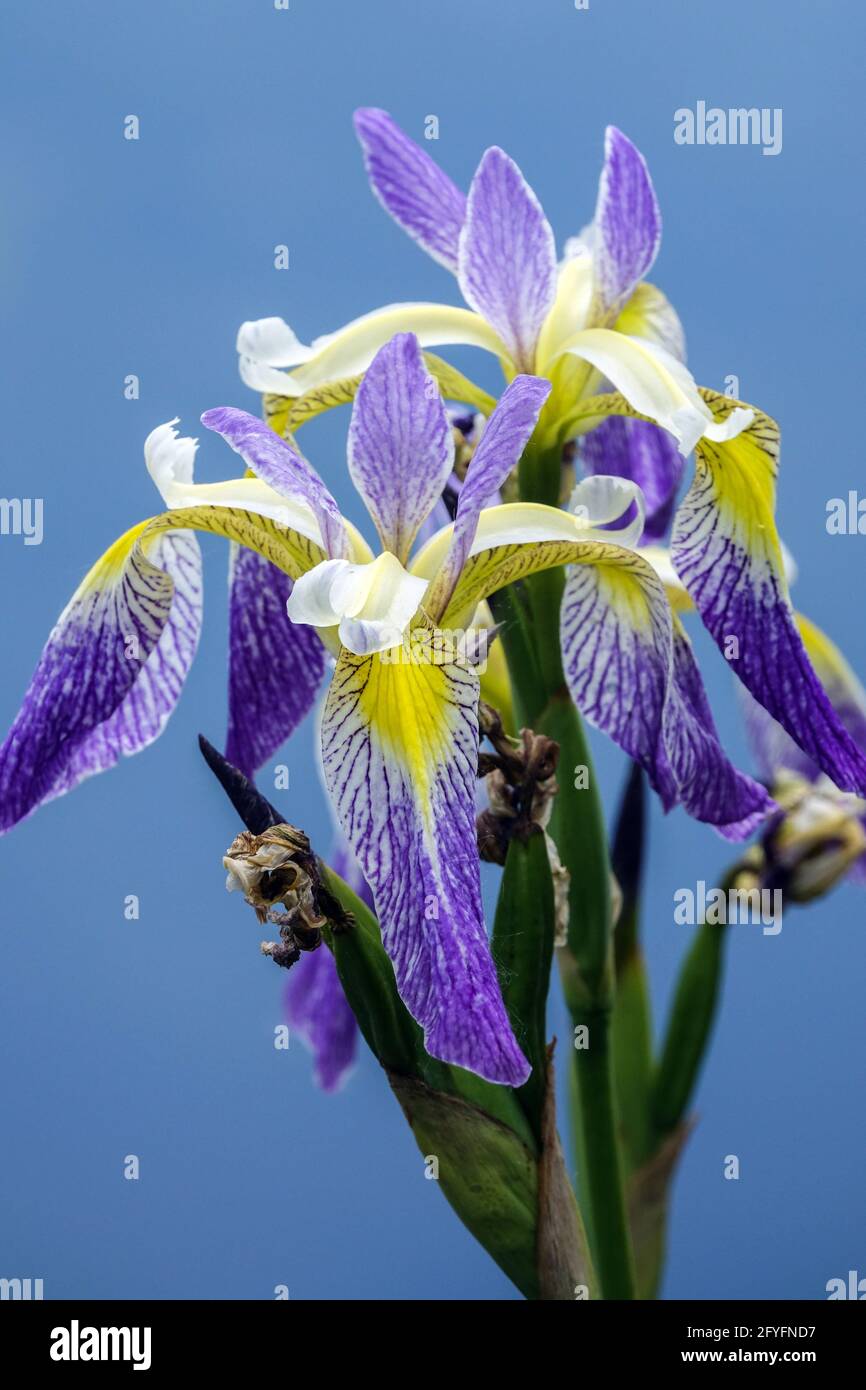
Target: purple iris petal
(282, 468)
(411, 186)
(401, 447)
(318, 1011)
(741, 596)
(627, 227)
(631, 672)
(404, 791)
(110, 675)
(275, 666)
(503, 440)
(507, 256)
(646, 455)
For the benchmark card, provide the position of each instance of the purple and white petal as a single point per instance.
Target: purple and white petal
(111, 671)
(631, 673)
(400, 746)
(497, 454)
(281, 467)
(643, 453)
(627, 227)
(727, 553)
(401, 446)
(275, 666)
(411, 186)
(507, 262)
(316, 1008)
(773, 748)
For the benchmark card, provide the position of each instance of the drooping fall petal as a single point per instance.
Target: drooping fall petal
(400, 744)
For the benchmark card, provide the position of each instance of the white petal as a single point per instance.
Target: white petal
(351, 349)
(372, 603)
(272, 342)
(170, 458)
(570, 309)
(522, 523)
(656, 384)
(602, 499)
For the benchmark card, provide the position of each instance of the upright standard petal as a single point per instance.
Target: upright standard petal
(627, 228)
(507, 268)
(411, 186)
(111, 671)
(281, 467)
(275, 666)
(401, 446)
(726, 551)
(498, 452)
(400, 747)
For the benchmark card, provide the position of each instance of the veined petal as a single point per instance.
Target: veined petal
(282, 468)
(371, 603)
(627, 227)
(773, 748)
(401, 446)
(111, 671)
(503, 440)
(627, 661)
(411, 186)
(656, 385)
(507, 260)
(318, 1011)
(113, 666)
(631, 672)
(400, 747)
(503, 549)
(351, 349)
(275, 666)
(727, 553)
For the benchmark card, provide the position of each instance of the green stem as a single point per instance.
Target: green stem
(531, 640)
(603, 1176)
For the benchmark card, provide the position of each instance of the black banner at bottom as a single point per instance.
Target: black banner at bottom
(66, 1337)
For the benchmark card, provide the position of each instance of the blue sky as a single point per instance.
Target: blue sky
(154, 1037)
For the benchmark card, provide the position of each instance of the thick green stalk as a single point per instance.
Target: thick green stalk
(632, 1018)
(531, 624)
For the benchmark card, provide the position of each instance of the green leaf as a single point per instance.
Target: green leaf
(487, 1174)
(690, 1023)
(522, 946)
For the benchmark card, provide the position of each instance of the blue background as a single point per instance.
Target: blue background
(156, 1037)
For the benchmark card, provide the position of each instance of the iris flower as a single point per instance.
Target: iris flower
(400, 722)
(612, 348)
